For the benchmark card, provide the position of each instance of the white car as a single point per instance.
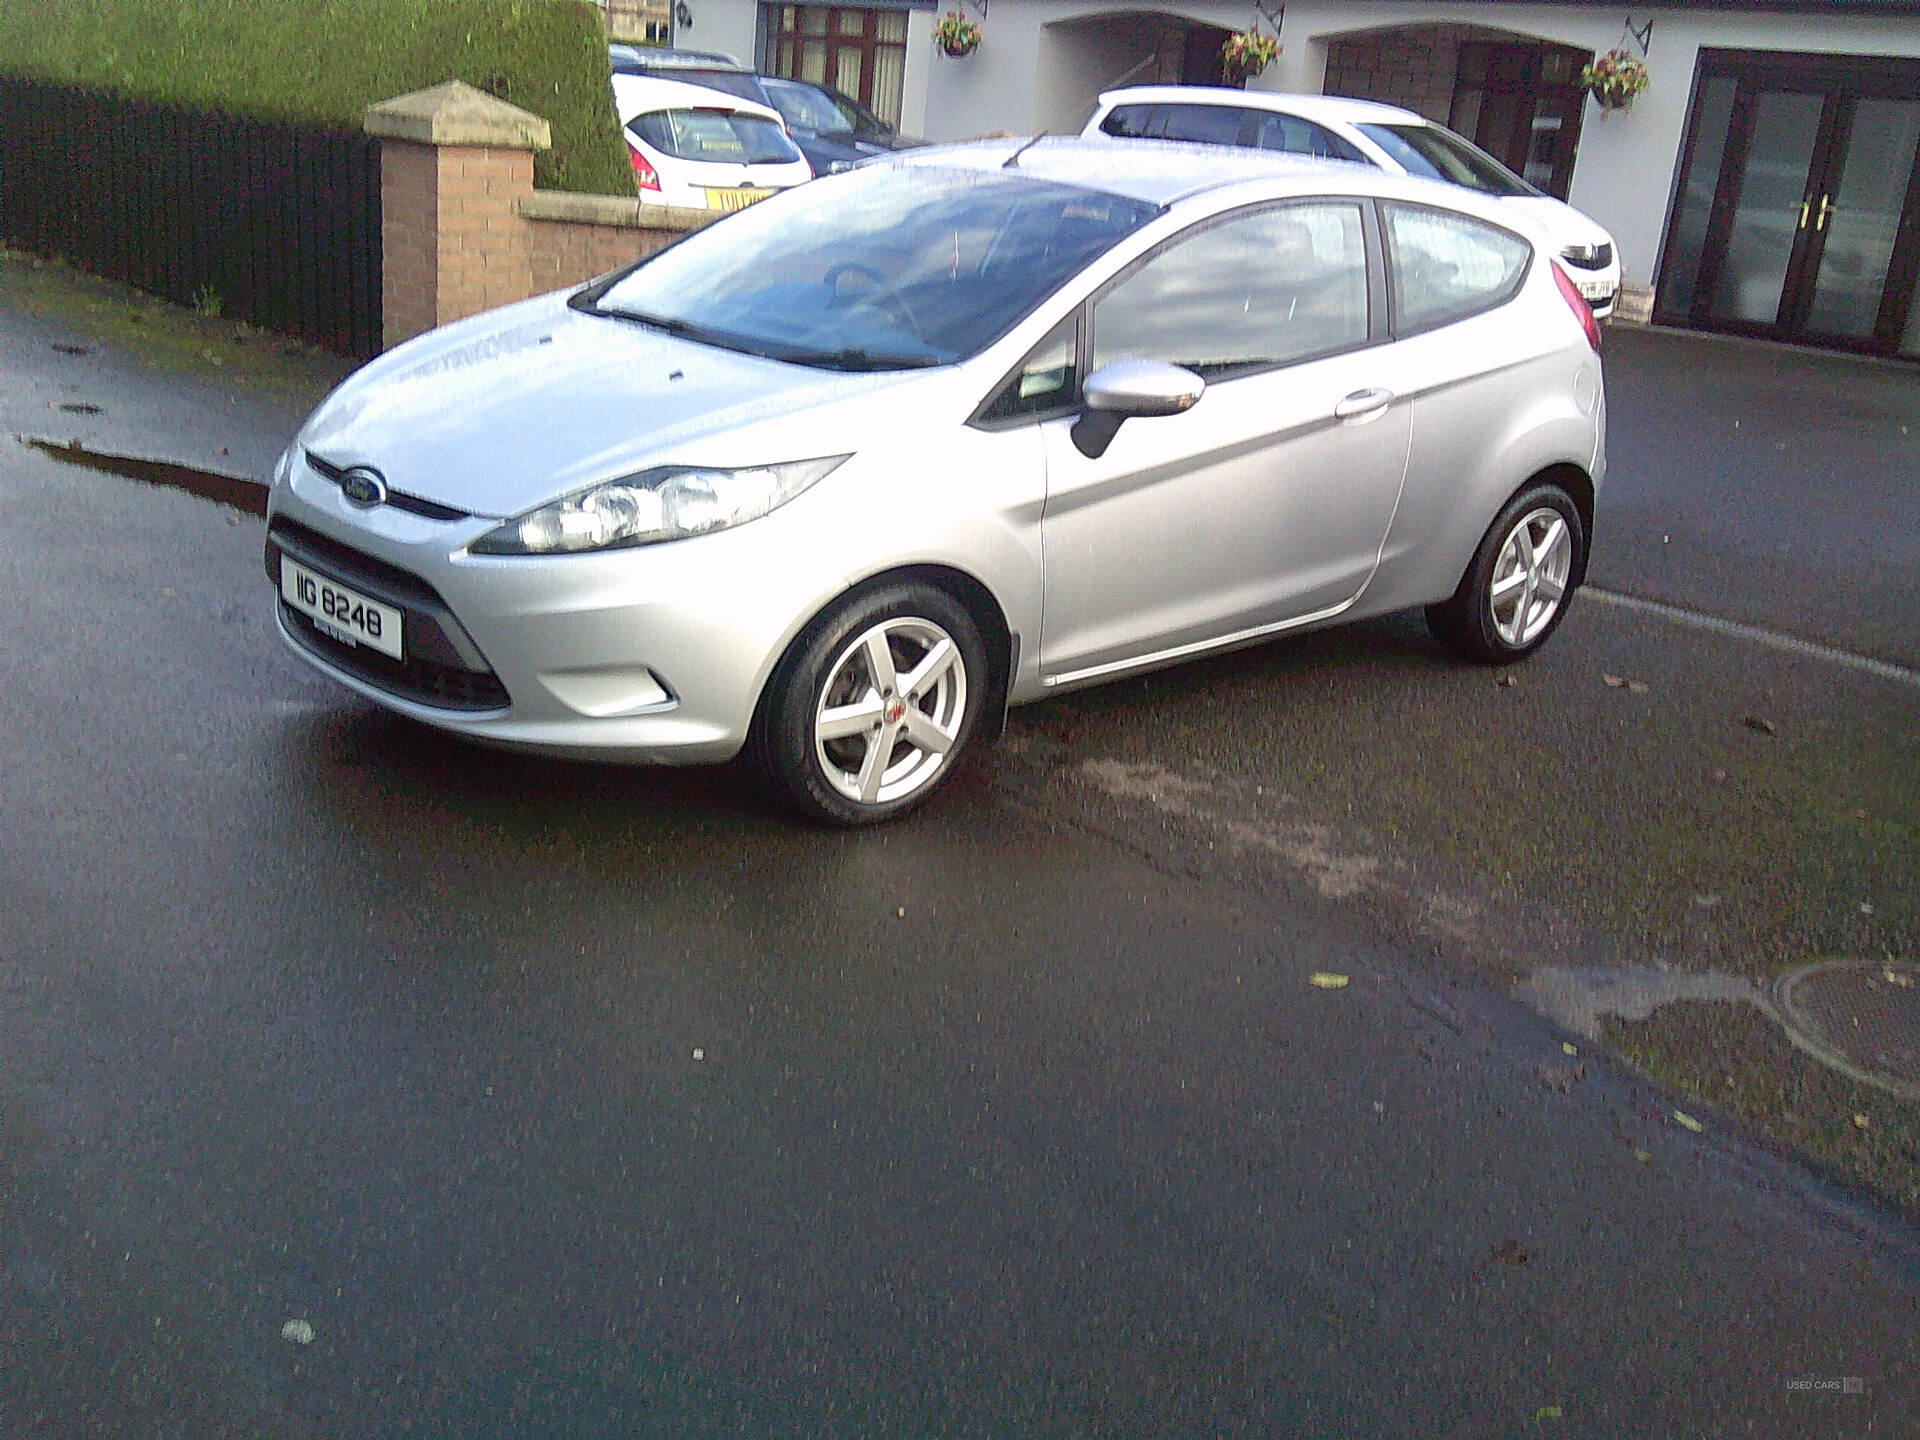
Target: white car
(702, 148)
(1384, 136)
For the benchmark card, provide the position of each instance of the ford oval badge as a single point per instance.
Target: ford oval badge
(363, 486)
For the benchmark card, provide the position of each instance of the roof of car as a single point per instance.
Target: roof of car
(642, 94)
(1159, 172)
(661, 58)
(1311, 107)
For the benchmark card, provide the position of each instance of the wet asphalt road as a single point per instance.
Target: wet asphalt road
(570, 1102)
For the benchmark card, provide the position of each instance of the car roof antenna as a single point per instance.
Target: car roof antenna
(1012, 162)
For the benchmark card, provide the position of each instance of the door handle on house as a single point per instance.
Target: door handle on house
(1805, 205)
(1826, 209)
(1362, 404)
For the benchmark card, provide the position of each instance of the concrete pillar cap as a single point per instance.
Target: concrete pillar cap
(457, 114)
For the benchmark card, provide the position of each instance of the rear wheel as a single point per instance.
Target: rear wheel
(1515, 593)
(869, 715)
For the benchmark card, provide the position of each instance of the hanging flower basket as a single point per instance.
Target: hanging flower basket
(1614, 79)
(1245, 53)
(956, 35)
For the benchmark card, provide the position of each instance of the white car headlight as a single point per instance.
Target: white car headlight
(669, 503)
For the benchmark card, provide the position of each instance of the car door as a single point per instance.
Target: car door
(1264, 505)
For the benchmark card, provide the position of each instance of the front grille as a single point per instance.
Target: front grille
(1601, 258)
(435, 671)
(412, 504)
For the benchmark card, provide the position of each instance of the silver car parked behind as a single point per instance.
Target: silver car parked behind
(834, 481)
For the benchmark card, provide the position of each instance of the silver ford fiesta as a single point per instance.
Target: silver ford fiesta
(834, 481)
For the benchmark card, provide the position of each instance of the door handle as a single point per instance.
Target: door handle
(1826, 209)
(1805, 205)
(1362, 403)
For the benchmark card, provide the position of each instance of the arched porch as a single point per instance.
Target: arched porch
(1516, 96)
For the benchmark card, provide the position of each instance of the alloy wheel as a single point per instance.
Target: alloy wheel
(891, 710)
(1530, 576)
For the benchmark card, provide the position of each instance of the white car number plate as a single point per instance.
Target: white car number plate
(346, 615)
(1596, 289)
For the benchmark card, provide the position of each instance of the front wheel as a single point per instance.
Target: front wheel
(1522, 577)
(871, 712)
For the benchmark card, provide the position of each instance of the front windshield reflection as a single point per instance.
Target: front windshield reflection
(880, 268)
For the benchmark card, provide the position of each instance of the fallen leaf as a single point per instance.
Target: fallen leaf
(1760, 725)
(1638, 687)
(1568, 1048)
(901, 913)
(1614, 682)
(1561, 1078)
(1688, 1122)
(1894, 977)
(1642, 1156)
(1326, 980)
(1506, 682)
(1549, 1412)
(1707, 901)
(1861, 1122)
(298, 1331)
(1507, 1252)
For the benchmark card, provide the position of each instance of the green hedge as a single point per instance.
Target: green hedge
(325, 61)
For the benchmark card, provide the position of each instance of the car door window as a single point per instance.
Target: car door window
(1044, 383)
(1247, 293)
(1446, 266)
(1294, 136)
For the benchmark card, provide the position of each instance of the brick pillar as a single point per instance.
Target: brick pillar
(455, 163)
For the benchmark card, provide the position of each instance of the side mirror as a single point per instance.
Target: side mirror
(1127, 389)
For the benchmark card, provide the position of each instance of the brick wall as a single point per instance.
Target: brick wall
(483, 241)
(571, 238)
(463, 230)
(409, 235)
(1412, 67)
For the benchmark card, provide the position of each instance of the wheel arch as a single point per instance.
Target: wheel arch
(1580, 488)
(967, 589)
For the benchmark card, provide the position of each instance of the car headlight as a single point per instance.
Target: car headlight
(668, 503)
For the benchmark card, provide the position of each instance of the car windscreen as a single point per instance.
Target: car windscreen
(715, 135)
(1438, 154)
(806, 107)
(882, 268)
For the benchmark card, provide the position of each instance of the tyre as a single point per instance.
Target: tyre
(1517, 589)
(872, 709)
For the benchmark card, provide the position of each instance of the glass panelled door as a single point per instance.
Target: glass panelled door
(1795, 217)
(1782, 131)
(1857, 218)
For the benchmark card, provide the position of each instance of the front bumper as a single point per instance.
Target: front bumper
(654, 655)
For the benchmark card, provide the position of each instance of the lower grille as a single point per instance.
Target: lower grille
(421, 681)
(441, 668)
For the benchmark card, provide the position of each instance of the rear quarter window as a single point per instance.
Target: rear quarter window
(1444, 266)
(1201, 124)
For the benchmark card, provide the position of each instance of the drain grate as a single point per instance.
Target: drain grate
(1862, 1017)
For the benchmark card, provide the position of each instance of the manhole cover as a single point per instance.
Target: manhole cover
(1862, 1017)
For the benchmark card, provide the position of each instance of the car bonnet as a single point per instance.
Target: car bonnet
(504, 412)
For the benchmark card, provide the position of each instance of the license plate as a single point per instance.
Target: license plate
(346, 615)
(720, 198)
(1596, 289)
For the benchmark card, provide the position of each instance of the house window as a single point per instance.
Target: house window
(862, 53)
